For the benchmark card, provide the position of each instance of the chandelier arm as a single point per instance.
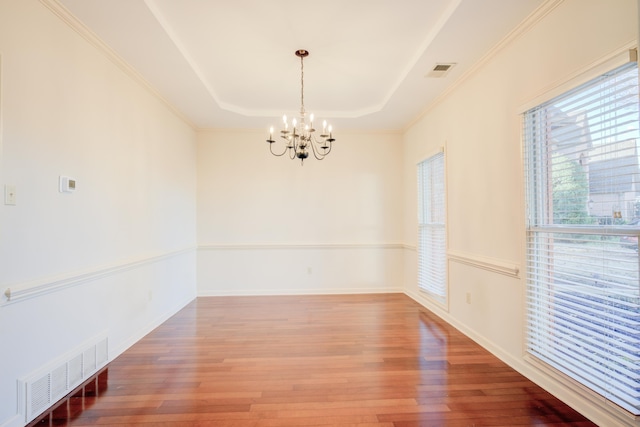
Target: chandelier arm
(318, 156)
(276, 154)
(316, 150)
(328, 150)
(327, 141)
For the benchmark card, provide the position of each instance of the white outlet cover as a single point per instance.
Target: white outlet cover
(10, 195)
(67, 184)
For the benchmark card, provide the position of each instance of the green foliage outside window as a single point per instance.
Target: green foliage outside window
(570, 192)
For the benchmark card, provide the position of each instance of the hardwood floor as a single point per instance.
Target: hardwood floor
(349, 360)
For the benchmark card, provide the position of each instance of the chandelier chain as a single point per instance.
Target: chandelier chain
(302, 85)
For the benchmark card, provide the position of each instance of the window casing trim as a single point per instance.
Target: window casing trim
(441, 302)
(539, 174)
(628, 53)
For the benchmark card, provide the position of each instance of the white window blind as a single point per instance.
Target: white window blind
(583, 207)
(432, 277)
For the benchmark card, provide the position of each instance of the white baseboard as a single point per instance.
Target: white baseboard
(15, 421)
(321, 291)
(147, 329)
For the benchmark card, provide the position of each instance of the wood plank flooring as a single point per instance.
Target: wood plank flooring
(348, 360)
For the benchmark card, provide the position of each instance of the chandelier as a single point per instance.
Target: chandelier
(300, 140)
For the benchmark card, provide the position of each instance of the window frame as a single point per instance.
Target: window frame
(538, 213)
(437, 290)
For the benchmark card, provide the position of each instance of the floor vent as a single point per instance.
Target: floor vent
(40, 390)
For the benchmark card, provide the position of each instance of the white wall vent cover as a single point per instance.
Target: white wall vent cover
(42, 389)
(440, 70)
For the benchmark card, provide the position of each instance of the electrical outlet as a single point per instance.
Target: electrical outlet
(10, 195)
(468, 297)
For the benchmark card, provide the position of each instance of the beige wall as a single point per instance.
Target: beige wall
(123, 245)
(117, 256)
(272, 225)
(479, 123)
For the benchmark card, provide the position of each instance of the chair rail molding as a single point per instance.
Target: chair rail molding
(289, 246)
(508, 268)
(31, 289)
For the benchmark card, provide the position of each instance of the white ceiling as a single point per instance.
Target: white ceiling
(231, 63)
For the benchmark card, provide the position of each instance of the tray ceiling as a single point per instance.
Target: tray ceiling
(230, 64)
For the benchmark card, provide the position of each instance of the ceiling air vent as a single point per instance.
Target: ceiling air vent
(440, 70)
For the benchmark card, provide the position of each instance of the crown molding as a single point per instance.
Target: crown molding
(74, 23)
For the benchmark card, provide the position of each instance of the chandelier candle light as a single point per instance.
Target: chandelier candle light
(300, 140)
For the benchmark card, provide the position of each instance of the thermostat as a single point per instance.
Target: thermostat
(67, 184)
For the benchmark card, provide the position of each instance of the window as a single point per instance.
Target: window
(583, 207)
(432, 277)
